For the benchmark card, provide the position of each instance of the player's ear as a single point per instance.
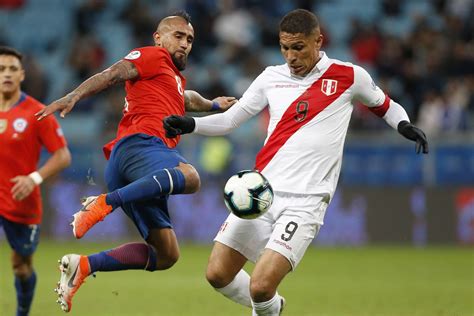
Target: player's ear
(157, 38)
(22, 75)
(319, 41)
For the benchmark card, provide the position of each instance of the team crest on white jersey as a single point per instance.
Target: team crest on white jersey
(3, 125)
(329, 86)
(19, 125)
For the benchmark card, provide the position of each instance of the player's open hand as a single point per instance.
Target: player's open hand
(175, 125)
(23, 187)
(65, 105)
(225, 102)
(415, 134)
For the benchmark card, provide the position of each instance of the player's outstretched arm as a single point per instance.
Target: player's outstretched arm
(117, 73)
(194, 102)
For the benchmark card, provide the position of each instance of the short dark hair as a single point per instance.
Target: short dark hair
(5, 50)
(185, 15)
(299, 21)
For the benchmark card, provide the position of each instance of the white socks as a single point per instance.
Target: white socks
(239, 289)
(268, 308)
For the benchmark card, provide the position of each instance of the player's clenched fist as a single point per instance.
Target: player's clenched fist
(65, 105)
(175, 125)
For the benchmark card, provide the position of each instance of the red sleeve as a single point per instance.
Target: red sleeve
(148, 60)
(50, 134)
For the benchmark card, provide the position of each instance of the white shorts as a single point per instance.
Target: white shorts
(288, 227)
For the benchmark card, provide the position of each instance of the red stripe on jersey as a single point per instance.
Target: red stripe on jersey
(316, 101)
(381, 109)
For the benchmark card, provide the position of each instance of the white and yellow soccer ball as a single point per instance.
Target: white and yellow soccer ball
(248, 194)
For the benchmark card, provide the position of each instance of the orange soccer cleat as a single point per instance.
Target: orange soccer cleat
(74, 269)
(94, 210)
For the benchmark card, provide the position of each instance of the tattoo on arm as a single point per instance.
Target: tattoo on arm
(194, 102)
(117, 73)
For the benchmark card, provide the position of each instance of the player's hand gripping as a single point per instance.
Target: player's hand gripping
(175, 125)
(415, 134)
(65, 105)
(225, 102)
(23, 187)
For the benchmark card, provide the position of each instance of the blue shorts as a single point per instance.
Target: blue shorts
(132, 158)
(23, 238)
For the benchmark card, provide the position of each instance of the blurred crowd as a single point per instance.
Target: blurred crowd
(420, 52)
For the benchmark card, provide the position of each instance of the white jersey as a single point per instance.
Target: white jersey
(309, 118)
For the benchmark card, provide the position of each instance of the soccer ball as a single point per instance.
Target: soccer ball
(248, 194)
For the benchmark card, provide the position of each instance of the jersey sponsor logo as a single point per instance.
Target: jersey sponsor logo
(3, 125)
(329, 86)
(19, 125)
(287, 85)
(133, 55)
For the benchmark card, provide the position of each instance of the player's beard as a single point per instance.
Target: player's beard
(180, 63)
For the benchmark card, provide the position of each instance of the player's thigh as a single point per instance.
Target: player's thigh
(23, 239)
(142, 155)
(296, 227)
(247, 237)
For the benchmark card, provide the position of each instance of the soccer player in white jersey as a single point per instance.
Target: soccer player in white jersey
(310, 99)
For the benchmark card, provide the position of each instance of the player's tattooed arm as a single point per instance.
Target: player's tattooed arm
(115, 74)
(194, 102)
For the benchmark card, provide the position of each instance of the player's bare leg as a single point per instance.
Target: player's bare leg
(165, 243)
(270, 270)
(224, 272)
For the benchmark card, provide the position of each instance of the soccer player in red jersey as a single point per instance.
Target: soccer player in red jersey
(143, 167)
(21, 139)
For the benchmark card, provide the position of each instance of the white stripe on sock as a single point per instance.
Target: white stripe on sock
(171, 181)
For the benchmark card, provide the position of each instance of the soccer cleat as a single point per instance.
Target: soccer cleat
(94, 210)
(282, 304)
(74, 269)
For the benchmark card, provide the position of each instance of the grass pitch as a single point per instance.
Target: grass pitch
(379, 281)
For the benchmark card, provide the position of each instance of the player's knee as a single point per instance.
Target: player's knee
(261, 290)
(22, 270)
(166, 262)
(216, 278)
(191, 176)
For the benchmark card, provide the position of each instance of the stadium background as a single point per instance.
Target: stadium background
(421, 52)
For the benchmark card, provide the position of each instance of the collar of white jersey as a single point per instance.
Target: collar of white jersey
(320, 66)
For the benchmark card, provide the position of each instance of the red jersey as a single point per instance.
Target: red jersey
(157, 93)
(21, 139)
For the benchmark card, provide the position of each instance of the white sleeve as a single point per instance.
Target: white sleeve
(369, 94)
(222, 123)
(252, 102)
(365, 89)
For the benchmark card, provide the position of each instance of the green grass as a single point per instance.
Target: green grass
(379, 281)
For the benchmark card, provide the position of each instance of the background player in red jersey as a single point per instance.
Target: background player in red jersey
(21, 139)
(143, 168)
